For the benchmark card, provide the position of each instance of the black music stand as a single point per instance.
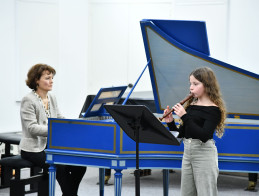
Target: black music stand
(141, 126)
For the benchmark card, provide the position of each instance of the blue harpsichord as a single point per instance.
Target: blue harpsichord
(173, 50)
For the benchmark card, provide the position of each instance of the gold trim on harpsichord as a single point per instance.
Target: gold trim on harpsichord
(181, 152)
(237, 115)
(246, 127)
(242, 127)
(146, 27)
(83, 123)
(153, 67)
(238, 155)
(143, 152)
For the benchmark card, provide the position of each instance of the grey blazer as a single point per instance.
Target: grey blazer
(35, 122)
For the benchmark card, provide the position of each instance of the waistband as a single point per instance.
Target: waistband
(190, 140)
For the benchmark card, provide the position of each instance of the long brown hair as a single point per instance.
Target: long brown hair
(207, 77)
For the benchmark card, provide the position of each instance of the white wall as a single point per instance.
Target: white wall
(116, 54)
(36, 38)
(214, 13)
(42, 31)
(73, 56)
(243, 40)
(98, 43)
(9, 109)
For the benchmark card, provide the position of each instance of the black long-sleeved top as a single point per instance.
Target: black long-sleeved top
(199, 122)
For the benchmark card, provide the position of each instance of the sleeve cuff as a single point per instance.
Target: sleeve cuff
(184, 117)
(172, 126)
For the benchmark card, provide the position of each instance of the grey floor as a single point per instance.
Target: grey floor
(150, 185)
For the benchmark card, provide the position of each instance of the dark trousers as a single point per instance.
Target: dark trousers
(252, 177)
(68, 177)
(107, 172)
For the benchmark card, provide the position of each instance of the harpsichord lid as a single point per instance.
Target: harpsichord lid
(176, 48)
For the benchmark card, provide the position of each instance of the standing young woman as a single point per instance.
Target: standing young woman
(36, 108)
(203, 114)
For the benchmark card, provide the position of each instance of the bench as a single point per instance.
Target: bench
(37, 181)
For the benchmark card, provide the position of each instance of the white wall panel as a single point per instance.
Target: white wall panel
(116, 49)
(108, 45)
(36, 38)
(136, 55)
(214, 13)
(72, 86)
(9, 115)
(243, 34)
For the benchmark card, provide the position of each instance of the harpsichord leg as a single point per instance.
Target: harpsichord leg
(117, 182)
(52, 179)
(101, 181)
(165, 181)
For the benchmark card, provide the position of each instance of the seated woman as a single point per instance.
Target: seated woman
(36, 108)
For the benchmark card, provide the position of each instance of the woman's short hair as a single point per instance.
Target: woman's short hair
(35, 73)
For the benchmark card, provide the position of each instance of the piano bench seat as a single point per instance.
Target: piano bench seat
(16, 183)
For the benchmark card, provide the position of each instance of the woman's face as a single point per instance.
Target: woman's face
(45, 82)
(196, 87)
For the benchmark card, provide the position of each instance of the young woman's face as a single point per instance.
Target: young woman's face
(196, 87)
(46, 81)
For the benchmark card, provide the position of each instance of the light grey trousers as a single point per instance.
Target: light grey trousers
(199, 168)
